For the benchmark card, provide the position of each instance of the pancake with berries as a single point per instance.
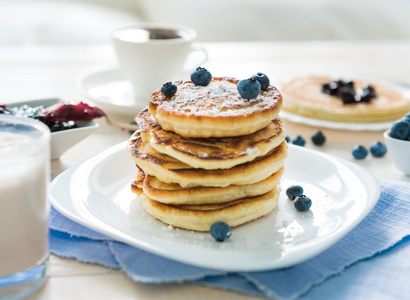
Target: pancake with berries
(172, 193)
(211, 153)
(323, 98)
(170, 170)
(216, 107)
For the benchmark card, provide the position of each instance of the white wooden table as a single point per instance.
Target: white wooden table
(35, 72)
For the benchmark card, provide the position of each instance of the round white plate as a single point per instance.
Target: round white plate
(108, 89)
(96, 194)
(335, 125)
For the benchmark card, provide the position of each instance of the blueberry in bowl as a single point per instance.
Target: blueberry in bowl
(397, 140)
(65, 133)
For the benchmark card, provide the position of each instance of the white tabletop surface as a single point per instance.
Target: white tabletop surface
(30, 72)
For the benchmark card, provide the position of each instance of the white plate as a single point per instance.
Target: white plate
(109, 89)
(335, 125)
(96, 194)
(62, 140)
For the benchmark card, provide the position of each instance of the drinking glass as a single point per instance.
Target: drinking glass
(24, 208)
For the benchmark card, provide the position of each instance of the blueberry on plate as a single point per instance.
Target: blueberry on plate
(302, 203)
(287, 139)
(263, 80)
(299, 141)
(249, 88)
(169, 89)
(378, 149)
(293, 191)
(318, 138)
(400, 130)
(359, 152)
(220, 231)
(201, 76)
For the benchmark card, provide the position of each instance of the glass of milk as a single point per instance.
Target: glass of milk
(24, 209)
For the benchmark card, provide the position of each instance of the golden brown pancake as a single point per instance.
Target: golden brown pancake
(172, 193)
(215, 110)
(303, 96)
(211, 153)
(201, 217)
(171, 170)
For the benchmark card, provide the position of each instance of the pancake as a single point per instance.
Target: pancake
(303, 96)
(171, 170)
(215, 110)
(201, 217)
(211, 153)
(173, 193)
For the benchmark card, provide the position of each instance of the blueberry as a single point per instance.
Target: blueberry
(220, 231)
(329, 88)
(299, 141)
(347, 94)
(359, 152)
(400, 130)
(201, 76)
(293, 191)
(378, 149)
(263, 80)
(249, 88)
(318, 138)
(169, 89)
(369, 89)
(287, 139)
(302, 203)
(349, 83)
(365, 97)
(339, 82)
(333, 89)
(326, 88)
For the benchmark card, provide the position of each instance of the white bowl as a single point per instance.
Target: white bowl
(399, 151)
(62, 140)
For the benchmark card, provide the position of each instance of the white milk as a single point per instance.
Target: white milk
(23, 204)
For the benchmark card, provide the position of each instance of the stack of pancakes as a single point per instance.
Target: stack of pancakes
(206, 154)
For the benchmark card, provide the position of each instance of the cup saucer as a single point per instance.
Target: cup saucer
(108, 89)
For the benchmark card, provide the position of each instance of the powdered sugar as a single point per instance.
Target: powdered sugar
(218, 98)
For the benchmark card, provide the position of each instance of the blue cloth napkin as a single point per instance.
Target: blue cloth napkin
(370, 262)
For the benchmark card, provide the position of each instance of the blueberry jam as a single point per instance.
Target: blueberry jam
(57, 117)
(346, 91)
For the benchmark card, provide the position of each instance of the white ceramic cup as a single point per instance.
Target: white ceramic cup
(151, 54)
(24, 208)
